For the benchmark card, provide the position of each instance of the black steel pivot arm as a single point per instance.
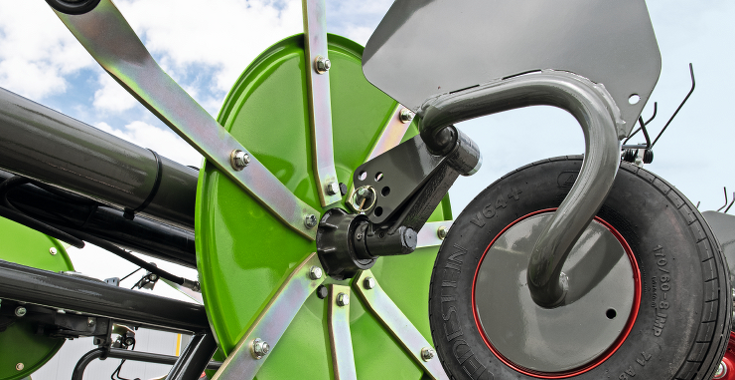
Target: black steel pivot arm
(395, 195)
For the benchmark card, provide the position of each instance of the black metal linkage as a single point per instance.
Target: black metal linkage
(22, 283)
(195, 358)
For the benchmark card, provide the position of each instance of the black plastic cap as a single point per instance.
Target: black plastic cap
(73, 7)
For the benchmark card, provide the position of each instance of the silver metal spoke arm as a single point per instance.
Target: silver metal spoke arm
(108, 37)
(599, 117)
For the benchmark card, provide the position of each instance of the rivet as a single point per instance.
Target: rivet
(406, 116)
(315, 273)
(52, 251)
(441, 233)
(239, 159)
(259, 348)
(310, 221)
(20, 311)
(90, 321)
(19, 366)
(343, 299)
(322, 65)
(427, 353)
(368, 283)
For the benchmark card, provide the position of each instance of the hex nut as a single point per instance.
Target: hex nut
(259, 348)
(52, 251)
(315, 273)
(90, 321)
(406, 116)
(239, 159)
(321, 64)
(369, 283)
(333, 188)
(19, 366)
(343, 299)
(427, 353)
(20, 311)
(310, 221)
(441, 232)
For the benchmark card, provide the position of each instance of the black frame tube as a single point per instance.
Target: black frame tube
(22, 283)
(39, 143)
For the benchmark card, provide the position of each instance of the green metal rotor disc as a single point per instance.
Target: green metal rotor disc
(19, 343)
(244, 253)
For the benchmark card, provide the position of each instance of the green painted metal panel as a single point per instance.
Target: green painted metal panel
(244, 253)
(19, 343)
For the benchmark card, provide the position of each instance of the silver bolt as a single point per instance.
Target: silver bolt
(368, 283)
(322, 65)
(259, 348)
(90, 321)
(20, 311)
(721, 371)
(343, 299)
(441, 233)
(310, 221)
(333, 188)
(427, 353)
(406, 116)
(315, 273)
(52, 251)
(19, 366)
(239, 159)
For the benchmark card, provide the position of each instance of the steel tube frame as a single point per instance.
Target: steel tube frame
(39, 143)
(36, 286)
(599, 117)
(115, 353)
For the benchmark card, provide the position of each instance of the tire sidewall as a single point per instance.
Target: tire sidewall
(657, 231)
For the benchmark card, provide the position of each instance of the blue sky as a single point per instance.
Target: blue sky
(205, 48)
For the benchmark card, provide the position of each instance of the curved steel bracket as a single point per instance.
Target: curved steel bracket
(600, 119)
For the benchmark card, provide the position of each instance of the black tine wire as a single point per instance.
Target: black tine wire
(731, 203)
(655, 111)
(725, 205)
(691, 73)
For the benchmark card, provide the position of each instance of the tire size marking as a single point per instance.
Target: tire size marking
(491, 209)
(641, 360)
(660, 283)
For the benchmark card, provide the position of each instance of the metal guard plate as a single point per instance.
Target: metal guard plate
(423, 49)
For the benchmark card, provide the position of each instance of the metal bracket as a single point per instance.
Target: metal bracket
(433, 234)
(340, 336)
(247, 358)
(378, 302)
(111, 41)
(320, 102)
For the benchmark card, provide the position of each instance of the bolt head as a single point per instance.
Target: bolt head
(369, 283)
(322, 65)
(20, 311)
(721, 371)
(19, 366)
(259, 348)
(427, 353)
(52, 251)
(315, 273)
(442, 232)
(406, 116)
(333, 188)
(343, 299)
(239, 159)
(90, 321)
(310, 221)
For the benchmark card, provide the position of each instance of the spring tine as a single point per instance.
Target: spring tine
(691, 72)
(725, 205)
(731, 203)
(655, 110)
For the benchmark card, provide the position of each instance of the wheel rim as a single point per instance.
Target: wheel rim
(598, 314)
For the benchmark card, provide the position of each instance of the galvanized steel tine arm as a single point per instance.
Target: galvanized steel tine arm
(599, 117)
(108, 37)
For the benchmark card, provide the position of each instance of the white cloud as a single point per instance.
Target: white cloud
(111, 96)
(164, 142)
(36, 51)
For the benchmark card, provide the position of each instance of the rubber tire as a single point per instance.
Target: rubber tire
(647, 211)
